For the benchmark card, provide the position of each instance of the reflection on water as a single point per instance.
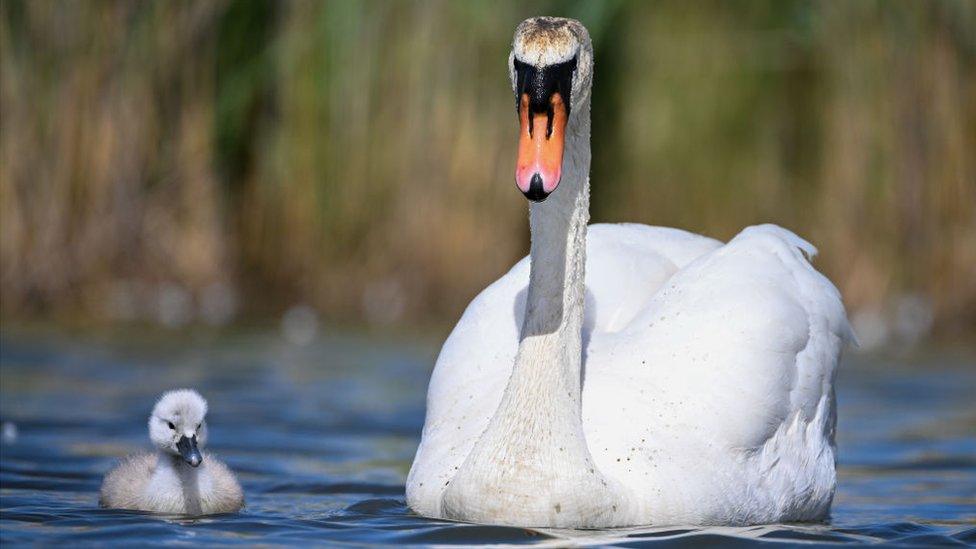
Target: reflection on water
(322, 437)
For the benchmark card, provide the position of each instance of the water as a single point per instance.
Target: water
(322, 437)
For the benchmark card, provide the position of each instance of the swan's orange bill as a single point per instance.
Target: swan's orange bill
(540, 150)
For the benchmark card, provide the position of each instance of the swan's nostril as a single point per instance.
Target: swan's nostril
(536, 192)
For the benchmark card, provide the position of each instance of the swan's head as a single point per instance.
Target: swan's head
(551, 66)
(178, 424)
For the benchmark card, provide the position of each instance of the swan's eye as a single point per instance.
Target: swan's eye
(198, 426)
(171, 426)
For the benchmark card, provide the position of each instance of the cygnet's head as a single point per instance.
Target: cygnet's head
(551, 67)
(178, 424)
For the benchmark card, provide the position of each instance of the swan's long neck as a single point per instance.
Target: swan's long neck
(533, 458)
(550, 344)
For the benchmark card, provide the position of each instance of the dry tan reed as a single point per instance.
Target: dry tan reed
(358, 155)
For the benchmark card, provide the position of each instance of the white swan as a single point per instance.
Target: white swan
(687, 382)
(177, 478)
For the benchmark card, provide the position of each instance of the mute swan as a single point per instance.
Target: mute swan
(177, 478)
(686, 382)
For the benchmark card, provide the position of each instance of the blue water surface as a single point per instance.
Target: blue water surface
(322, 437)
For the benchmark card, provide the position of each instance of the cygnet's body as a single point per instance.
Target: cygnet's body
(177, 478)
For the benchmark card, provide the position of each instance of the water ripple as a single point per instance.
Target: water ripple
(322, 438)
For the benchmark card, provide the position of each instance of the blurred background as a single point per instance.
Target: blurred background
(187, 163)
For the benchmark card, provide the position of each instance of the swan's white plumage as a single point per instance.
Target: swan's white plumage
(707, 375)
(632, 375)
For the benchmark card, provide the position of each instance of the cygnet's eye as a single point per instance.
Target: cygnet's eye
(198, 426)
(171, 426)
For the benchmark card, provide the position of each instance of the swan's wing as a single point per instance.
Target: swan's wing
(750, 322)
(623, 261)
(732, 360)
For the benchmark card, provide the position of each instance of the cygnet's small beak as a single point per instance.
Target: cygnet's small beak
(189, 451)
